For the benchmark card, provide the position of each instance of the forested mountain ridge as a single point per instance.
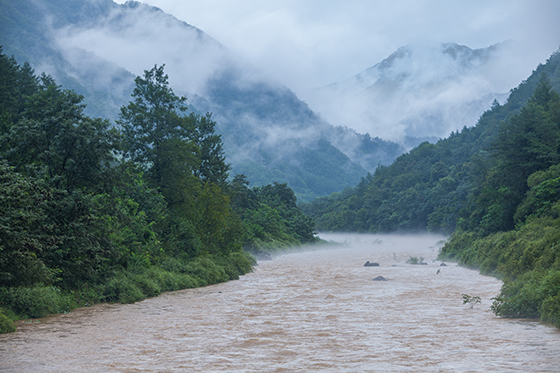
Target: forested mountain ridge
(95, 213)
(97, 47)
(427, 188)
(494, 186)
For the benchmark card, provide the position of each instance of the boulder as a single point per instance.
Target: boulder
(368, 264)
(379, 278)
(443, 265)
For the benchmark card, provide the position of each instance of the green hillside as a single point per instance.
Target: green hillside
(495, 187)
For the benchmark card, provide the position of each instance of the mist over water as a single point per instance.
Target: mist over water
(316, 310)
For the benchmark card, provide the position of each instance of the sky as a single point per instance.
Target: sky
(306, 44)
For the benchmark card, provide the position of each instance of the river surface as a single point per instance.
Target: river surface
(313, 311)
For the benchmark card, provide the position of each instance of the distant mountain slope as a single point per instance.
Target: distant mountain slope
(97, 47)
(421, 92)
(28, 30)
(439, 187)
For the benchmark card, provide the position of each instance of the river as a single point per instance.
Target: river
(312, 311)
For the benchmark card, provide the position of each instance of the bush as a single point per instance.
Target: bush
(415, 260)
(122, 289)
(550, 310)
(236, 264)
(520, 298)
(550, 290)
(206, 271)
(147, 286)
(37, 301)
(7, 325)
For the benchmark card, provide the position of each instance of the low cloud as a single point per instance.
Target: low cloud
(422, 90)
(138, 37)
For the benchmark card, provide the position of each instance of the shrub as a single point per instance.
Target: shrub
(37, 301)
(415, 260)
(147, 286)
(7, 325)
(236, 264)
(521, 297)
(205, 270)
(122, 289)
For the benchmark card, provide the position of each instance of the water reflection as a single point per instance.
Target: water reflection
(311, 311)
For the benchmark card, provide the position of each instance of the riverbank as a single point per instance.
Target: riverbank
(317, 310)
(126, 286)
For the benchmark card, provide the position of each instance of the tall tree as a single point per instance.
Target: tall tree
(54, 133)
(156, 128)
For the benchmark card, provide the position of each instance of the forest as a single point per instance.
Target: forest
(494, 187)
(100, 212)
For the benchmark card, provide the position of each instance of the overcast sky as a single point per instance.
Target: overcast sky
(311, 43)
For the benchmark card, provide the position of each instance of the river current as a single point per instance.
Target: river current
(311, 311)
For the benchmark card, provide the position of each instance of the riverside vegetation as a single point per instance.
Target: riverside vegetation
(495, 187)
(92, 212)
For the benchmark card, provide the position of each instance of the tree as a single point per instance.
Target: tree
(16, 84)
(527, 143)
(156, 135)
(168, 143)
(54, 133)
(24, 229)
(213, 167)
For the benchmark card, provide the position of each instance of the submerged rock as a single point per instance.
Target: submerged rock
(379, 278)
(368, 264)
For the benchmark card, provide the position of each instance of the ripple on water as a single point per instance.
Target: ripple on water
(311, 311)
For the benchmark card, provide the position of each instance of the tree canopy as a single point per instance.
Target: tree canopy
(94, 212)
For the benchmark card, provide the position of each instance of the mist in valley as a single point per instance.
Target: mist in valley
(346, 86)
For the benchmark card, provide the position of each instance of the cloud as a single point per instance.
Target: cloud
(422, 90)
(139, 38)
(309, 44)
(306, 44)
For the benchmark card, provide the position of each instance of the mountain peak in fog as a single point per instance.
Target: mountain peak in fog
(420, 90)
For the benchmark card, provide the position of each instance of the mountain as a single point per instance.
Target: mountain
(494, 188)
(97, 47)
(420, 92)
(459, 181)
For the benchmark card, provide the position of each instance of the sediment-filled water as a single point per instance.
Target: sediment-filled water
(313, 311)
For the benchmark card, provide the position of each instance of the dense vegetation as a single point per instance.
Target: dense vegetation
(258, 119)
(93, 212)
(495, 186)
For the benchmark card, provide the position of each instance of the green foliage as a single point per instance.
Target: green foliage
(472, 301)
(37, 301)
(7, 325)
(54, 133)
(271, 218)
(80, 225)
(415, 260)
(472, 180)
(24, 229)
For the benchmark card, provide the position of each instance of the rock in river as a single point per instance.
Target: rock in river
(379, 278)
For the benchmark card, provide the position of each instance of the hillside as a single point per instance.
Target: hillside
(97, 48)
(430, 186)
(495, 187)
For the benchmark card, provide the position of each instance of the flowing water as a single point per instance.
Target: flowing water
(310, 311)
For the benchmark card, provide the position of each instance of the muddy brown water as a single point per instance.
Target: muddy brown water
(313, 311)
